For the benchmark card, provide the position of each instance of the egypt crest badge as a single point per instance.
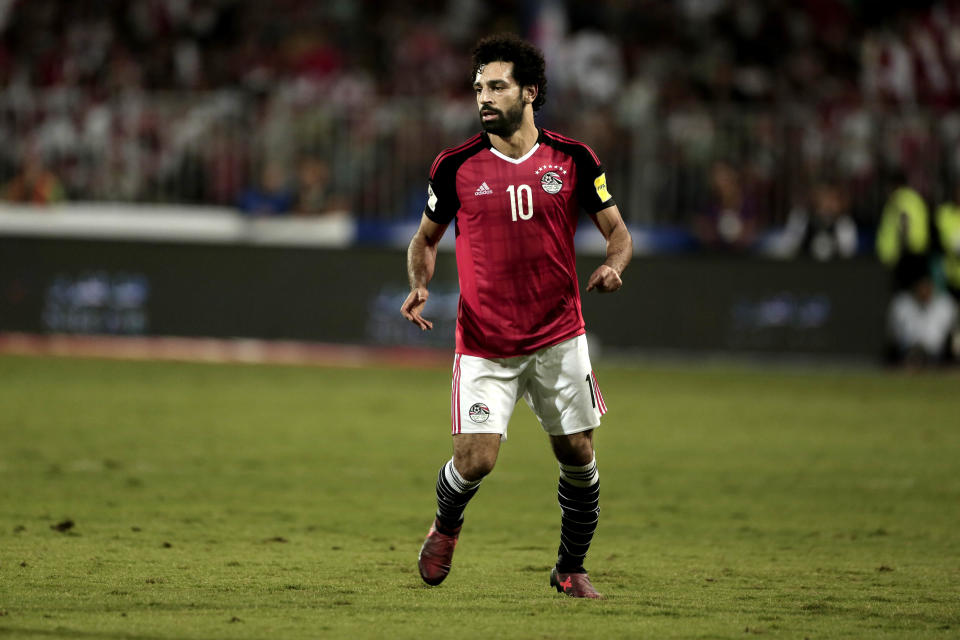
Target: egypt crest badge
(479, 412)
(551, 182)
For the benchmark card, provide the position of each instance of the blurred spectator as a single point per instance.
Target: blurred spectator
(35, 184)
(730, 221)
(272, 196)
(594, 70)
(903, 236)
(825, 230)
(948, 230)
(922, 322)
(911, 55)
(315, 193)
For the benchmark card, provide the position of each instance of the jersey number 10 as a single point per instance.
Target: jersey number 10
(516, 201)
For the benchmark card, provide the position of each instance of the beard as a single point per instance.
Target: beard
(506, 123)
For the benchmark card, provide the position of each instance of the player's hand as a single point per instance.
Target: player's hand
(412, 307)
(605, 279)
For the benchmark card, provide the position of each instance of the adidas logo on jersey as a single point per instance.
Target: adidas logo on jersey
(483, 190)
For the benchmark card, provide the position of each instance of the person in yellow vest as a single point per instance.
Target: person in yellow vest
(948, 231)
(904, 230)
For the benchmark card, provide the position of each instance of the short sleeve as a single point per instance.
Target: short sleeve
(591, 182)
(442, 200)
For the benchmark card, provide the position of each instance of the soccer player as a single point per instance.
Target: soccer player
(516, 192)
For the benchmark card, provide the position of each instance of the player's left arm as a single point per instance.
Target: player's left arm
(607, 277)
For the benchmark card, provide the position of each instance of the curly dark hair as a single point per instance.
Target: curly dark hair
(528, 65)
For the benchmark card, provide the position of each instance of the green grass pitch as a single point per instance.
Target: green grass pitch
(253, 501)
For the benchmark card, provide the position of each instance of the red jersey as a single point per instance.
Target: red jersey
(515, 222)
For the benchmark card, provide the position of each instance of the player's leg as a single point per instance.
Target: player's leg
(578, 492)
(474, 455)
(484, 393)
(568, 404)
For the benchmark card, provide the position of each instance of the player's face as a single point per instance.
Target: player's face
(499, 98)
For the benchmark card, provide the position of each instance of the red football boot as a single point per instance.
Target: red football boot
(575, 585)
(436, 554)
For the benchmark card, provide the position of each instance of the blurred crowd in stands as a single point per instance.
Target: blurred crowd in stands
(725, 117)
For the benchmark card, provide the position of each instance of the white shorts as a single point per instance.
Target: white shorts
(557, 382)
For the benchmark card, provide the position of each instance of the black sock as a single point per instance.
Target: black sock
(453, 494)
(580, 512)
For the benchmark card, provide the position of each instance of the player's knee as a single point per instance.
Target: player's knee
(474, 465)
(576, 449)
(475, 454)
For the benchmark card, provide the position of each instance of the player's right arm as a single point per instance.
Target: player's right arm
(421, 261)
(442, 205)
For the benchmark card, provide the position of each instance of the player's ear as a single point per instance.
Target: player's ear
(530, 93)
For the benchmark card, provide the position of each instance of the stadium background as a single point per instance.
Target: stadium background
(147, 500)
(232, 168)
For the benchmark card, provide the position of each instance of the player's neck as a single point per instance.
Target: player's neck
(520, 143)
